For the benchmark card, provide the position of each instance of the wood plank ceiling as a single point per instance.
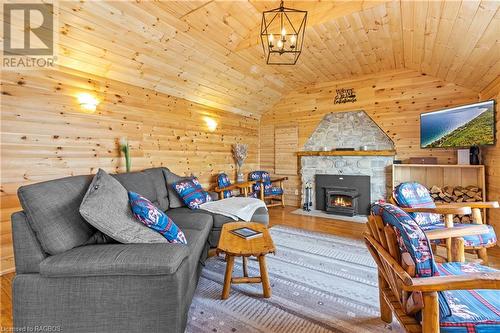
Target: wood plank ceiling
(209, 52)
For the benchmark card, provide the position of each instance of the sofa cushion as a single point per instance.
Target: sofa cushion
(116, 259)
(52, 211)
(472, 310)
(106, 207)
(187, 218)
(191, 192)
(149, 183)
(160, 183)
(197, 243)
(174, 200)
(152, 217)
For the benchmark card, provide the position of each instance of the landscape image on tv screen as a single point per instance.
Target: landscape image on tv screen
(462, 126)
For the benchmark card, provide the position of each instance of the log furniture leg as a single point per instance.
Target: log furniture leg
(457, 250)
(282, 195)
(483, 255)
(245, 268)
(266, 286)
(385, 310)
(227, 277)
(448, 222)
(430, 315)
(476, 216)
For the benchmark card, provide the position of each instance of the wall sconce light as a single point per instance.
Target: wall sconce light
(87, 102)
(211, 124)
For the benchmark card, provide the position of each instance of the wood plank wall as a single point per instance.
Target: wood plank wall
(491, 157)
(45, 135)
(393, 99)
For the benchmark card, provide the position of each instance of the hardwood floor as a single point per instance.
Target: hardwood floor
(278, 216)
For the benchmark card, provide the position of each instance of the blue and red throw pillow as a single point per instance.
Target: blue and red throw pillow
(191, 192)
(155, 219)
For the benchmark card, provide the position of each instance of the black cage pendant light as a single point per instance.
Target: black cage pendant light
(282, 34)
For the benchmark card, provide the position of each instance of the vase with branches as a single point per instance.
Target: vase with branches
(240, 151)
(125, 149)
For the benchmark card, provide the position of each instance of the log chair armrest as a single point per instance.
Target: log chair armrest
(279, 179)
(234, 186)
(471, 230)
(440, 210)
(477, 204)
(484, 280)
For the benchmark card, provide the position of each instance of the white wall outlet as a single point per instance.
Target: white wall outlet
(296, 192)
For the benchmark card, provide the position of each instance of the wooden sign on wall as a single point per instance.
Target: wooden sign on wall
(345, 96)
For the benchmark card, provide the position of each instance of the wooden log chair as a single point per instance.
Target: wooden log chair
(416, 200)
(226, 190)
(271, 195)
(426, 296)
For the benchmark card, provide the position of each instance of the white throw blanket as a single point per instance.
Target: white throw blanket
(237, 208)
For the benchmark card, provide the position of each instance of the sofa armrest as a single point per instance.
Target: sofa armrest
(116, 259)
(28, 253)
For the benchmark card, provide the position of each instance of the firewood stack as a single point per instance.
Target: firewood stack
(450, 194)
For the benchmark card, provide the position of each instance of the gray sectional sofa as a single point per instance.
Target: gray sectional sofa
(72, 278)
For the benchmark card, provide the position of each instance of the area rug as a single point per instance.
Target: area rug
(320, 283)
(322, 214)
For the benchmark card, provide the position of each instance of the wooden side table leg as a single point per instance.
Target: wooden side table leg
(228, 276)
(245, 267)
(266, 286)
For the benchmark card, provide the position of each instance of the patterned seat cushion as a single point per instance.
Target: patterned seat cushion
(191, 192)
(412, 239)
(223, 181)
(415, 195)
(489, 238)
(473, 311)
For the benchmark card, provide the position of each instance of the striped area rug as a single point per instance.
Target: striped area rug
(320, 283)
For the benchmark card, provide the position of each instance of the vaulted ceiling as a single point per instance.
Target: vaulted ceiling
(209, 51)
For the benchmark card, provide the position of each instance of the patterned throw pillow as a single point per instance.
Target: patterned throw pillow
(415, 195)
(155, 219)
(191, 192)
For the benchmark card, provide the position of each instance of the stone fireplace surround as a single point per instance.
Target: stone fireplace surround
(348, 130)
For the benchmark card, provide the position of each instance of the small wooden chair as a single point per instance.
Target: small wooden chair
(416, 200)
(266, 191)
(225, 189)
(411, 283)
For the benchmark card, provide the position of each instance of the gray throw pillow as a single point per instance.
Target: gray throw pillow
(106, 207)
(173, 197)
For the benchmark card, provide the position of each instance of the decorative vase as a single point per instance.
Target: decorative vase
(240, 177)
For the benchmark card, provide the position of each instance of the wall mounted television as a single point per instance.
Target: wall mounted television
(459, 127)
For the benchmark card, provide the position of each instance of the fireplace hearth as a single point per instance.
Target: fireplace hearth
(342, 201)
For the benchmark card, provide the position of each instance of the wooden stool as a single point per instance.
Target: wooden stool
(234, 246)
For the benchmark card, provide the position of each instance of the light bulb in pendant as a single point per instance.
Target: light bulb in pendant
(271, 40)
(283, 32)
(293, 40)
(280, 44)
